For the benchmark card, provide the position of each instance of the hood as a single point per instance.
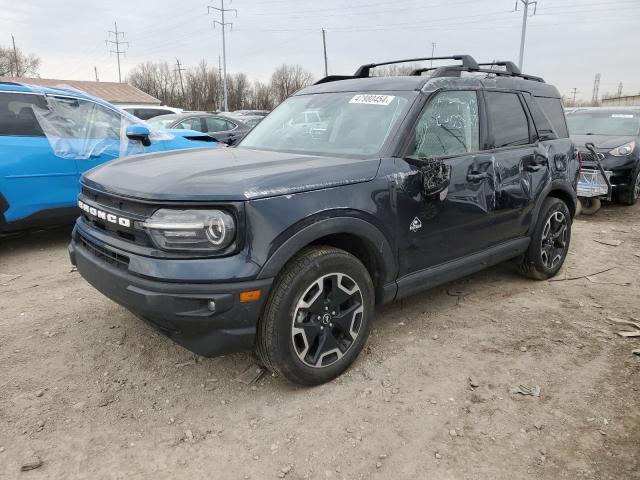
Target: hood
(225, 174)
(605, 142)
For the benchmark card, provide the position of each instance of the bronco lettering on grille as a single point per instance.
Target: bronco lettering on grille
(109, 217)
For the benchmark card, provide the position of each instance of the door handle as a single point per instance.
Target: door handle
(477, 176)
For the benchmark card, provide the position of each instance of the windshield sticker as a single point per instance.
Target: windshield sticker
(621, 115)
(373, 99)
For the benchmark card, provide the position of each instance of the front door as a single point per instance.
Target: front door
(441, 224)
(32, 178)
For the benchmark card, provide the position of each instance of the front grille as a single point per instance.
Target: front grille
(104, 253)
(587, 157)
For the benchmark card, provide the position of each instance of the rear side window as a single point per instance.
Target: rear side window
(17, 117)
(552, 107)
(543, 124)
(509, 124)
(216, 124)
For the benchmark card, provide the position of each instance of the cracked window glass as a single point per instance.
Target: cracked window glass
(448, 126)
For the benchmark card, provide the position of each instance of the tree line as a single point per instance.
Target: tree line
(15, 63)
(200, 88)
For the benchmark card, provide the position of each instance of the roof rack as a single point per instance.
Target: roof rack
(468, 65)
(510, 67)
(468, 62)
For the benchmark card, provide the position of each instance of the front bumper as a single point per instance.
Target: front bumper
(180, 310)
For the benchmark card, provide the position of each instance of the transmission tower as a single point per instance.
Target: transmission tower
(223, 26)
(525, 15)
(118, 43)
(596, 88)
(620, 89)
(574, 92)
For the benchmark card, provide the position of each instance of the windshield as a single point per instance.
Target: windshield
(601, 123)
(345, 123)
(162, 121)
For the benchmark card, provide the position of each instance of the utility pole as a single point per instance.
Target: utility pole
(117, 42)
(525, 15)
(619, 89)
(220, 100)
(433, 51)
(596, 88)
(180, 69)
(324, 45)
(95, 70)
(15, 56)
(223, 26)
(574, 91)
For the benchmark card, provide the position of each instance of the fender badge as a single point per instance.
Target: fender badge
(415, 225)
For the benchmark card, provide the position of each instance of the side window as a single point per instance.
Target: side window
(103, 123)
(17, 116)
(191, 124)
(230, 125)
(543, 125)
(509, 125)
(216, 124)
(448, 126)
(552, 107)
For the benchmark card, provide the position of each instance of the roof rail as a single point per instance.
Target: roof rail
(510, 67)
(468, 62)
(454, 71)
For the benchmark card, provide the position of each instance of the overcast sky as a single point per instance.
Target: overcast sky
(568, 41)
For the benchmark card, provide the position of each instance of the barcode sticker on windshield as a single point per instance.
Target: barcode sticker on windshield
(621, 115)
(372, 99)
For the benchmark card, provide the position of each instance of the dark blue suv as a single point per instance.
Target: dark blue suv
(354, 192)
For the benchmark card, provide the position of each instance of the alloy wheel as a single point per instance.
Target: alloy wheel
(554, 239)
(327, 320)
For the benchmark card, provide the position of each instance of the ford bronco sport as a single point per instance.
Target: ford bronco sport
(285, 244)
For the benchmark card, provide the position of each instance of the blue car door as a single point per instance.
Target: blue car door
(93, 134)
(33, 179)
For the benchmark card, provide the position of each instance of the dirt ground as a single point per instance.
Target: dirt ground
(96, 394)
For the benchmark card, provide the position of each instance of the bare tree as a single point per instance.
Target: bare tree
(18, 64)
(287, 79)
(203, 88)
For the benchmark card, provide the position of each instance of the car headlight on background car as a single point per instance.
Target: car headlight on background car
(623, 150)
(191, 230)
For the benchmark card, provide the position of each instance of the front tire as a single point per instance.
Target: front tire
(630, 196)
(549, 242)
(317, 317)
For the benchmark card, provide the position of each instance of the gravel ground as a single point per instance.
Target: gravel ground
(87, 391)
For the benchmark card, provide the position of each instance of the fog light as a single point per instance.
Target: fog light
(211, 306)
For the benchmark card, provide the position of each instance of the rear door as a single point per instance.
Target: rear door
(220, 129)
(32, 177)
(521, 163)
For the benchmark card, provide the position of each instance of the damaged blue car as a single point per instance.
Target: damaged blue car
(50, 136)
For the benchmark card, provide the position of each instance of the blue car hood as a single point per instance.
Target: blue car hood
(203, 174)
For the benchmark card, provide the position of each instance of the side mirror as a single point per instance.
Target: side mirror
(140, 133)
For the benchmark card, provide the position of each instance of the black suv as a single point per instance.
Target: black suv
(354, 192)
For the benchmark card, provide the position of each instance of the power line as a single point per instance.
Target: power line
(117, 42)
(223, 26)
(525, 16)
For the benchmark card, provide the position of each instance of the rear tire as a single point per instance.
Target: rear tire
(549, 242)
(317, 317)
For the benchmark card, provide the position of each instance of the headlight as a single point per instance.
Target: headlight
(191, 230)
(623, 150)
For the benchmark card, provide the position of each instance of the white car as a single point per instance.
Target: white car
(145, 112)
